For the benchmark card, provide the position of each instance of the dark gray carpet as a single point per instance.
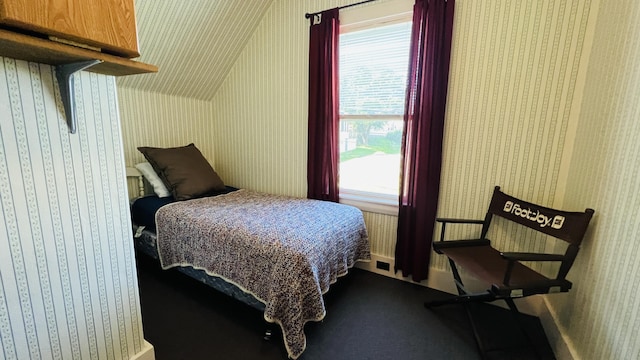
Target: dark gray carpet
(369, 316)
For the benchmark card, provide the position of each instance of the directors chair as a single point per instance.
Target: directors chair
(507, 277)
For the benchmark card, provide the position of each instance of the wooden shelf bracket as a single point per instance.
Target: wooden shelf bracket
(64, 74)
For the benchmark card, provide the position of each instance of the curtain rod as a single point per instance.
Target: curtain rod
(307, 15)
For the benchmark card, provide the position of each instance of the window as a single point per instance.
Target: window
(373, 76)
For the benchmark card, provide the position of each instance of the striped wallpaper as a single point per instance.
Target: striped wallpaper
(602, 315)
(68, 286)
(543, 101)
(195, 58)
(156, 119)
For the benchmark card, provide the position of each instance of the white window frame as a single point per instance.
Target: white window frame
(362, 18)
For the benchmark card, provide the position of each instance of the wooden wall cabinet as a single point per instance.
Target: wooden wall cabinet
(108, 25)
(94, 35)
(103, 30)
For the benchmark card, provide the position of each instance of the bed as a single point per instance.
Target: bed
(278, 254)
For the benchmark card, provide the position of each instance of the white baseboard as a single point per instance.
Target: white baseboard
(443, 281)
(438, 279)
(560, 344)
(146, 353)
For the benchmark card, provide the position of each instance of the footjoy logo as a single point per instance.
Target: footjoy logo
(534, 215)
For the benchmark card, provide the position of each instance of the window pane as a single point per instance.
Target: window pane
(373, 75)
(370, 155)
(373, 70)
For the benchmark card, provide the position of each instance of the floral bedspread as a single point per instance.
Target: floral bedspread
(284, 251)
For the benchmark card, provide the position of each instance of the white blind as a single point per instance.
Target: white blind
(373, 70)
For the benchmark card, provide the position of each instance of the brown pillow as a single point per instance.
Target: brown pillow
(185, 172)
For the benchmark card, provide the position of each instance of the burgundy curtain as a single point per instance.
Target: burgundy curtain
(322, 157)
(422, 136)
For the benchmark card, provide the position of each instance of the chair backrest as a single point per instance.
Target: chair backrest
(566, 225)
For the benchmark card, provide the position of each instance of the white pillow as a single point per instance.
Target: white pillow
(158, 186)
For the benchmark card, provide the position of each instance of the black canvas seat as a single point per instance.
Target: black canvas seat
(489, 265)
(503, 272)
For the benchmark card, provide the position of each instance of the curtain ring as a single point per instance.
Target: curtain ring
(317, 19)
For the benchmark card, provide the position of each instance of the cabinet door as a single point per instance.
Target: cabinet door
(106, 24)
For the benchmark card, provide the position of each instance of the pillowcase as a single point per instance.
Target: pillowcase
(185, 172)
(158, 186)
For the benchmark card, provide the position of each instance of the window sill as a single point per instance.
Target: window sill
(370, 202)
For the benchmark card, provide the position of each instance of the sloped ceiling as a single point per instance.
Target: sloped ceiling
(193, 42)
